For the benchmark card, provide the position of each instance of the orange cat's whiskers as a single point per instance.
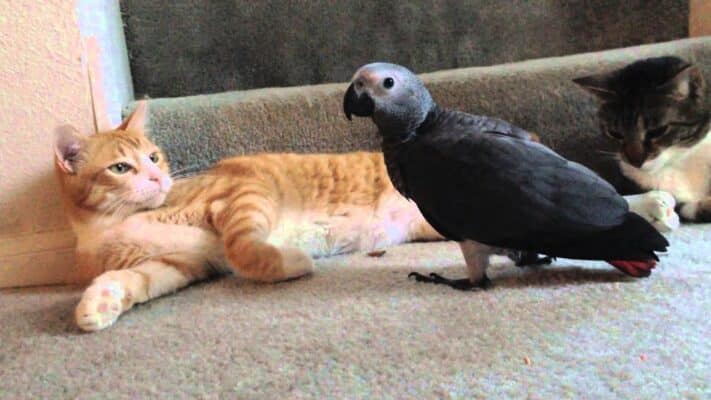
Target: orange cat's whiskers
(113, 207)
(185, 171)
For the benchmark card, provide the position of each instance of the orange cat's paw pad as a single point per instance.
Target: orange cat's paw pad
(100, 306)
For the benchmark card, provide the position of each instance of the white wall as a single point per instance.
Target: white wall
(43, 83)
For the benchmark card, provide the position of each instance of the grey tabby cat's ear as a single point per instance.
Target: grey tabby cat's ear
(67, 145)
(598, 85)
(136, 121)
(688, 82)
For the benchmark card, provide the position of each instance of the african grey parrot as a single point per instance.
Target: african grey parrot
(482, 181)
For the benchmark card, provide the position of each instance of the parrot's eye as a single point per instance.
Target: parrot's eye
(388, 83)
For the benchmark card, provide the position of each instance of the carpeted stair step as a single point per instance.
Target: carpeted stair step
(537, 95)
(179, 48)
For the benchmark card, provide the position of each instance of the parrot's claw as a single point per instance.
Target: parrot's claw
(529, 259)
(459, 284)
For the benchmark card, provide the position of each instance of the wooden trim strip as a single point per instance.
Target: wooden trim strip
(699, 18)
(49, 267)
(36, 242)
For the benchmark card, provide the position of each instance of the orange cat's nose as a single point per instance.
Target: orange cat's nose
(155, 176)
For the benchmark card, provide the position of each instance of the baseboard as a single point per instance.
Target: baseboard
(699, 18)
(37, 259)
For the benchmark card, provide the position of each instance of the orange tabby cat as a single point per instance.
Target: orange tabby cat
(263, 216)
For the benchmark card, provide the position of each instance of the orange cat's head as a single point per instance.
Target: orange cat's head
(117, 172)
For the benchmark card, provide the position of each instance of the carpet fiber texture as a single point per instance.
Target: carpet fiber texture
(536, 95)
(178, 48)
(359, 329)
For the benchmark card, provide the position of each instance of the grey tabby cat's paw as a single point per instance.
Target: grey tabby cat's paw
(657, 207)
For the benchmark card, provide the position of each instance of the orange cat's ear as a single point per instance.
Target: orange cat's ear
(67, 145)
(597, 85)
(136, 121)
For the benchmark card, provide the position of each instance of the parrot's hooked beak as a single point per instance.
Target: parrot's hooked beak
(360, 106)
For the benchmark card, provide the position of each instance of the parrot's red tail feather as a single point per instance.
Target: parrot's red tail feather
(638, 269)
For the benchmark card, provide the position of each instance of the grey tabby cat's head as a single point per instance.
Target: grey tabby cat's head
(651, 105)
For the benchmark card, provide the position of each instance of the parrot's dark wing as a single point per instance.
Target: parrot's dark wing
(484, 124)
(479, 178)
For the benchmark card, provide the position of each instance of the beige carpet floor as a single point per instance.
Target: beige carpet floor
(358, 329)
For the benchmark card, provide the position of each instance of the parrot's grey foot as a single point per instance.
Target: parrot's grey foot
(531, 259)
(459, 284)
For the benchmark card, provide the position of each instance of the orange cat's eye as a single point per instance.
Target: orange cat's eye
(155, 157)
(120, 168)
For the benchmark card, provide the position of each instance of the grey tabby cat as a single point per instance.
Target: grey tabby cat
(657, 110)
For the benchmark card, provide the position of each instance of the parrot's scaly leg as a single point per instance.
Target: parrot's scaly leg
(476, 256)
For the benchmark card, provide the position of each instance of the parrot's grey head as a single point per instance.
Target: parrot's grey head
(391, 94)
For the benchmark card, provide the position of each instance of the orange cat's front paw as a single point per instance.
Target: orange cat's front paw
(296, 263)
(100, 306)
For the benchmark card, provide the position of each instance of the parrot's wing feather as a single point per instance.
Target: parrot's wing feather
(499, 189)
(477, 123)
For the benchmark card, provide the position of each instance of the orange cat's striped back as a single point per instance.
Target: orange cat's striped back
(327, 203)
